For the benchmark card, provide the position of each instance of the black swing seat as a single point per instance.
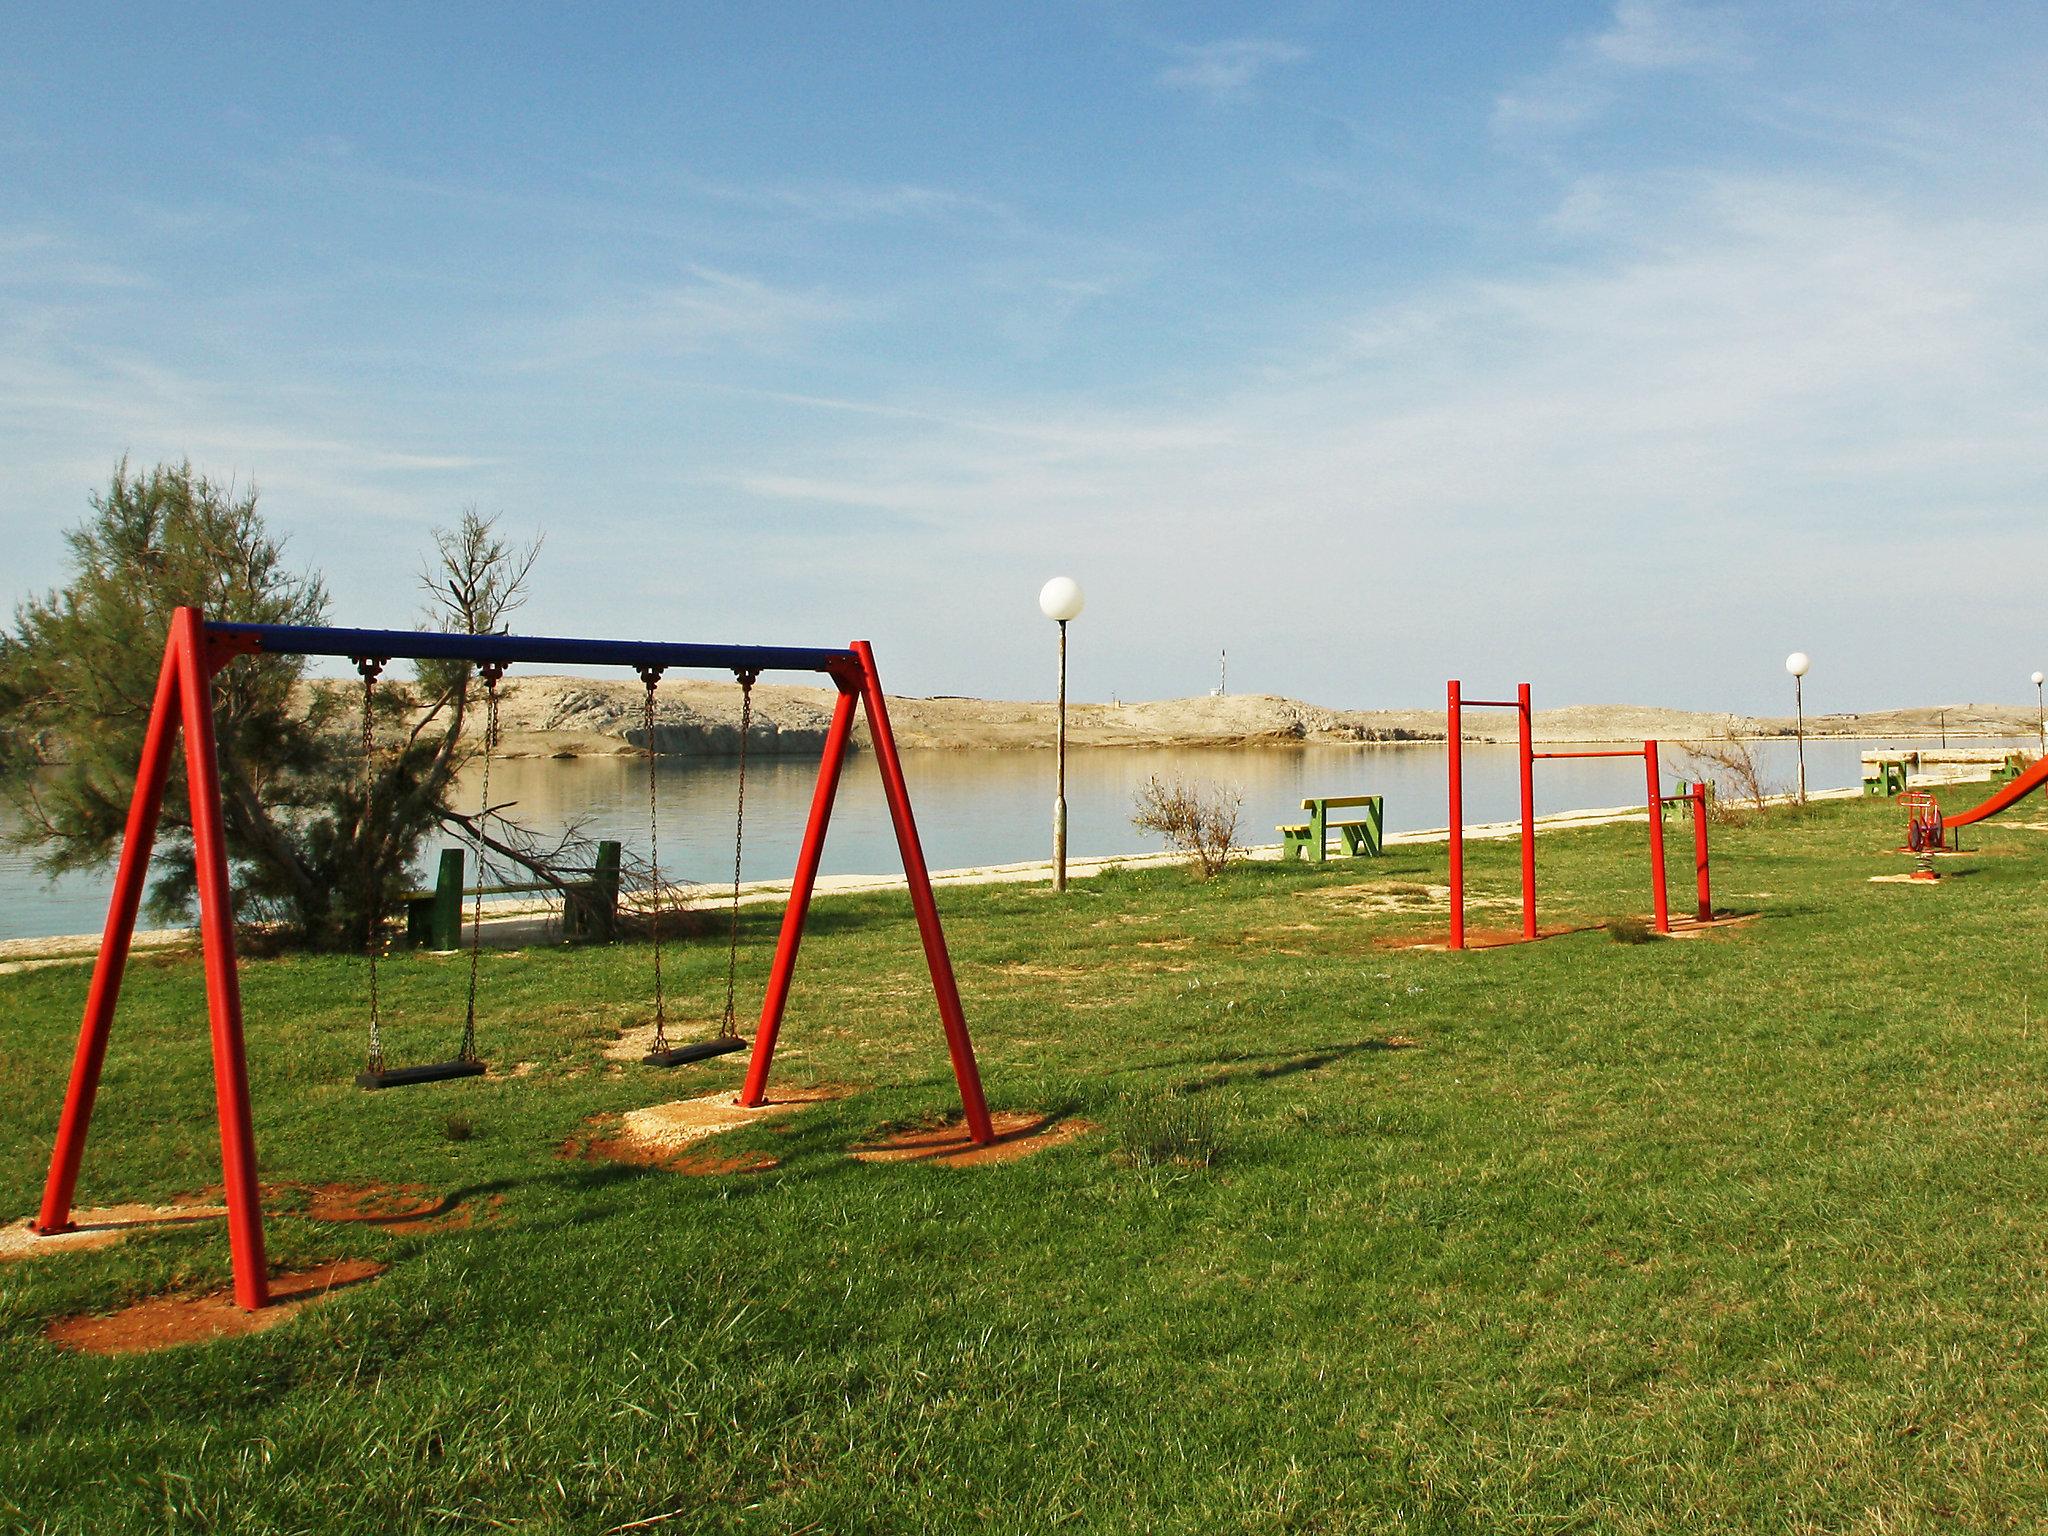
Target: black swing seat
(677, 1055)
(425, 1072)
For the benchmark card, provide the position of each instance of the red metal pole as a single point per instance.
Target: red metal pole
(1656, 801)
(783, 971)
(1528, 810)
(1699, 852)
(1454, 755)
(921, 900)
(130, 876)
(223, 986)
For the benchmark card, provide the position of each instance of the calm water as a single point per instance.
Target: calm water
(983, 807)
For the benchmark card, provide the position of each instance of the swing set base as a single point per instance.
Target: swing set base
(678, 1055)
(426, 1072)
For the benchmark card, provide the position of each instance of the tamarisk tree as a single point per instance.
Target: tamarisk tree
(319, 833)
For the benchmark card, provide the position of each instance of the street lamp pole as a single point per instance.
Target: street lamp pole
(2040, 716)
(1797, 664)
(1060, 600)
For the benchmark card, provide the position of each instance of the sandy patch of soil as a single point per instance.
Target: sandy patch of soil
(705, 1163)
(666, 1135)
(392, 1207)
(1693, 928)
(1913, 879)
(1019, 1133)
(100, 1227)
(164, 1322)
(1489, 938)
(1050, 972)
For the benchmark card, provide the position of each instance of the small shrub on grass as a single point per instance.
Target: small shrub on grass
(1176, 1130)
(1629, 930)
(1195, 820)
(1737, 789)
(458, 1128)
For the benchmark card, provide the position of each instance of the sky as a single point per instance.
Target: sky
(1621, 348)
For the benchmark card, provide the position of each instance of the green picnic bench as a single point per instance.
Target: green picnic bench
(1885, 778)
(1362, 837)
(590, 906)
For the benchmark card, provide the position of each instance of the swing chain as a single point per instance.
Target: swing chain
(728, 1030)
(491, 672)
(368, 668)
(651, 676)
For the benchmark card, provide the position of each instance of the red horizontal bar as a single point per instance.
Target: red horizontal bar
(1490, 703)
(1638, 752)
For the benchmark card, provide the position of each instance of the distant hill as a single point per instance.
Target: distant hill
(574, 717)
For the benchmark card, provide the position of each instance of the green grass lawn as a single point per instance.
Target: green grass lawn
(1748, 1232)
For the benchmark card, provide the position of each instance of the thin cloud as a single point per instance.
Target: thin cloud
(1640, 37)
(710, 310)
(1227, 71)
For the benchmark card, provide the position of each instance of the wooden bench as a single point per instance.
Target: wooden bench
(1363, 838)
(590, 906)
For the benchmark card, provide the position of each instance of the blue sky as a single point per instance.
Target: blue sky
(1622, 347)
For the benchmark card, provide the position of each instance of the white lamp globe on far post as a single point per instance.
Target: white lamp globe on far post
(1061, 601)
(1797, 664)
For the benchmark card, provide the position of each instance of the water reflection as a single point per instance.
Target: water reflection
(986, 807)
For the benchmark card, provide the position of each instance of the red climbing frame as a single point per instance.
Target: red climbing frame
(196, 650)
(1654, 798)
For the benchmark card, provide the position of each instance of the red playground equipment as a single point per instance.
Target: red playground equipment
(196, 650)
(1655, 799)
(1926, 831)
(2003, 798)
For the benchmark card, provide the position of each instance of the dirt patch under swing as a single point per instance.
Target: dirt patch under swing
(163, 1322)
(100, 1227)
(1019, 1133)
(668, 1135)
(389, 1207)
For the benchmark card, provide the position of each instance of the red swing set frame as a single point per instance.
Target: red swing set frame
(1655, 800)
(197, 649)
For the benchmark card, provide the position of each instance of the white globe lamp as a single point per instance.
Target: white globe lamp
(1060, 599)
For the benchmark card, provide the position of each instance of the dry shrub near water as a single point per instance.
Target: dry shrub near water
(1197, 820)
(1729, 762)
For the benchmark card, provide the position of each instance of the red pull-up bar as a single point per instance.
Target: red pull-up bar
(1654, 797)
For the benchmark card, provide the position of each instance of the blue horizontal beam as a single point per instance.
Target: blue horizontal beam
(427, 644)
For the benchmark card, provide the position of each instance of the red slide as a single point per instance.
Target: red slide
(2018, 789)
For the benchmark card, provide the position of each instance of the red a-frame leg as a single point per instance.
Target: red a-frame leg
(184, 696)
(867, 686)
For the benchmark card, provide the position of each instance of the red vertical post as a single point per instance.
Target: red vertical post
(1656, 800)
(217, 943)
(1528, 725)
(129, 878)
(1454, 757)
(1699, 852)
(783, 969)
(921, 900)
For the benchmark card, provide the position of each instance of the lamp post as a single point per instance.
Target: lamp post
(1797, 664)
(2040, 717)
(1060, 600)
